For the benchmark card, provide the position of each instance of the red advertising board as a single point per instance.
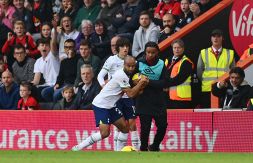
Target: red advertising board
(241, 25)
(186, 132)
(235, 131)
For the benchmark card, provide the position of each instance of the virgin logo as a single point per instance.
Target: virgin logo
(241, 25)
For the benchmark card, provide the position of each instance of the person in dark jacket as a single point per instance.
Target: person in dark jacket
(148, 107)
(100, 40)
(87, 58)
(9, 92)
(234, 93)
(67, 103)
(88, 89)
(67, 73)
(126, 20)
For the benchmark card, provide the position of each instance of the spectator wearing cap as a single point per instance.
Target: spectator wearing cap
(213, 62)
(233, 93)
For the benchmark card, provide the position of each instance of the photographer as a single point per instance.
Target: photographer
(233, 93)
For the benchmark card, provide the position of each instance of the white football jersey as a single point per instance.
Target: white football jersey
(112, 91)
(112, 64)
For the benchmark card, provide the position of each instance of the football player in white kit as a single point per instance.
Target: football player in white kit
(104, 104)
(125, 104)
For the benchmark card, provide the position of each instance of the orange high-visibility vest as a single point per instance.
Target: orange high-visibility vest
(181, 92)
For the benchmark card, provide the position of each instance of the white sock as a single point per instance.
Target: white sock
(135, 139)
(122, 140)
(95, 137)
(115, 139)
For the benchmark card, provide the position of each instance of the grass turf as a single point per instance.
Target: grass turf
(121, 157)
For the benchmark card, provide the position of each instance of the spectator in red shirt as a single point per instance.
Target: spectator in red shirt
(19, 37)
(167, 6)
(27, 102)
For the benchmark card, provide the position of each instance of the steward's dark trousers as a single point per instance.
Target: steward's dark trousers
(161, 125)
(205, 100)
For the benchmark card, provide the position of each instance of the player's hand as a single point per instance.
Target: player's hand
(144, 80)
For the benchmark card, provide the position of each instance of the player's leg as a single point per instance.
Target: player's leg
(116, 132)
(145, 121)
(134, 134)
(102, 117)
(115, 137)
(119, 121)
(123, 127)
(161, 124)
(130, 116)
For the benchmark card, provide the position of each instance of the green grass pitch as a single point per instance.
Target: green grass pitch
(121, 157)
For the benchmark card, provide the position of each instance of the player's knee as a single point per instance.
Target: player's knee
(105, 134)
(124, 128)
(132, 127)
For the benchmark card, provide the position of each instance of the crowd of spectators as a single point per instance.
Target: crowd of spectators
(53, 50)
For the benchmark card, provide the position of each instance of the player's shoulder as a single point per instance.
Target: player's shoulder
(111, 58)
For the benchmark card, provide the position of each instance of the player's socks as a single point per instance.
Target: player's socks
(122, 140)
(135, 140)
(115, 139)
(95, 137)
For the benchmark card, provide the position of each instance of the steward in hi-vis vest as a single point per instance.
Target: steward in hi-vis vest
(213, 62)
(179, 83)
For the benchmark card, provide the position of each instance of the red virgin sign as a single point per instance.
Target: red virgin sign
(241, 25)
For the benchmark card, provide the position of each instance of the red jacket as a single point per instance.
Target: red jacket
(26, 40)
(172, 7)
(30, 102)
